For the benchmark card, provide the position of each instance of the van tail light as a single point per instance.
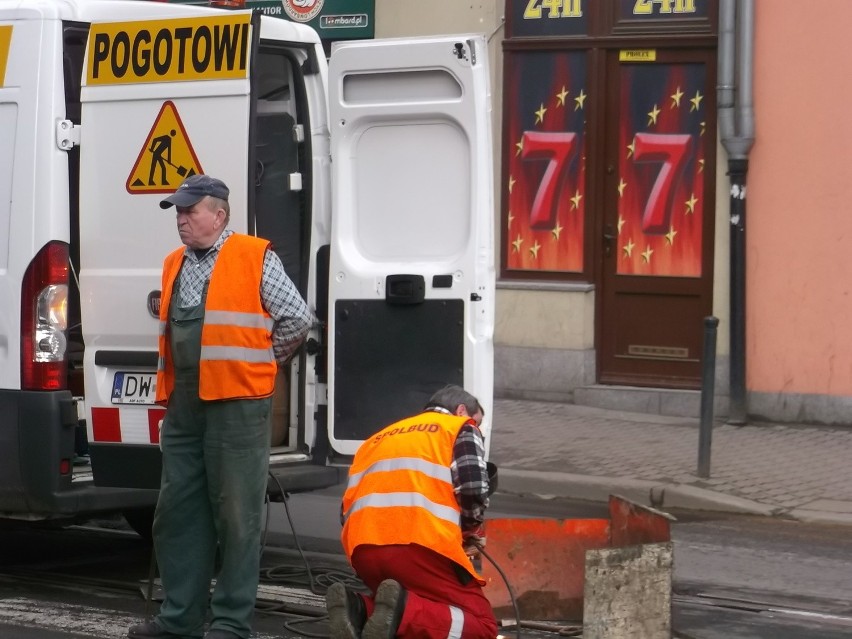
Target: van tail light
(44, 320)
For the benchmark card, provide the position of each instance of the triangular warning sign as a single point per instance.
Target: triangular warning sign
(166, 157)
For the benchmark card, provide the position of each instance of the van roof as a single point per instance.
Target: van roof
(118, 10)
(95, 10)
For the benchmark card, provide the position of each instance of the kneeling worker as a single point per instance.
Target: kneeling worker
(413, 507)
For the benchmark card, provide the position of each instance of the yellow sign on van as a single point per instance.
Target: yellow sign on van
(176, 50)
(166, 158)
(5, 42)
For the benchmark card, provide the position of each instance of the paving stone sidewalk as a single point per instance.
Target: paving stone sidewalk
(790, 470)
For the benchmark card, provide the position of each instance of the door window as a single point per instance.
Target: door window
(278, 158)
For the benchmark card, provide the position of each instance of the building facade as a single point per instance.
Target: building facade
(615, 211)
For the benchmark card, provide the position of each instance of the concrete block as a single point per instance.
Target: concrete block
(628, 592)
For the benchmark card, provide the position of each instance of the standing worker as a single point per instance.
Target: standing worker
(413, 512)
(228, 312)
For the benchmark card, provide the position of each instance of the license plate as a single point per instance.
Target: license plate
(134, 388)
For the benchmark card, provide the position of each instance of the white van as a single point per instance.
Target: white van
(370, 174)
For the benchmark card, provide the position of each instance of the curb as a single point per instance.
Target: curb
(550, 485)
(819, 516)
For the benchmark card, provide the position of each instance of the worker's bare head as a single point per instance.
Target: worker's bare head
(458, 401)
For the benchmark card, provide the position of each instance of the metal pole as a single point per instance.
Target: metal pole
(708, 379)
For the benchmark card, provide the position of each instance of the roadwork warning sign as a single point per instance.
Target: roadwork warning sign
(176, 50)
(5, 42)
(166, 158)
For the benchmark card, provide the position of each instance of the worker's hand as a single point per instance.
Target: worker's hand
(473, 540)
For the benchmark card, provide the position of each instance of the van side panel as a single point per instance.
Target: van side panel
(37, 428)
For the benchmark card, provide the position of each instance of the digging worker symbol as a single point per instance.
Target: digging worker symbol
(161, 153)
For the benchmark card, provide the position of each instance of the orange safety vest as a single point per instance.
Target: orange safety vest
(400, 489)
(237, 360)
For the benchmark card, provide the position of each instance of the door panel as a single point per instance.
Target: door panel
(411, 302)
(658, 218)
(124, 234)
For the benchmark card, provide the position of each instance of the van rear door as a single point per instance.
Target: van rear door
(162, 99)
(411, 302)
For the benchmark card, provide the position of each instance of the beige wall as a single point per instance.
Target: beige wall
(799, 222)
(546, 319)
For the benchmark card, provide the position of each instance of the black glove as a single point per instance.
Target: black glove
(492, 477)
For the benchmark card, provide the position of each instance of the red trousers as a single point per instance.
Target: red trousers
(438, 605)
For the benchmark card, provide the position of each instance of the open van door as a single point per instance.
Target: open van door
(148, 122)
(411, 281)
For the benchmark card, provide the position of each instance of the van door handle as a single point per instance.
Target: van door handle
(405, 289)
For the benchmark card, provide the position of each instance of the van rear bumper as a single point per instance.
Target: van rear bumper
(36, 441)
(140, 465)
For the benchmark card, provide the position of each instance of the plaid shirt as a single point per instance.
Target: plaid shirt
(278, 294)
(470, 475)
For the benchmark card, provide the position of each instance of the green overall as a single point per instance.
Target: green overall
(215, 463)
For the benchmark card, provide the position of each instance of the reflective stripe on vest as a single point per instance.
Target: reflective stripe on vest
(237, 318)
(410, 500)
(437, 471)
(237, 354)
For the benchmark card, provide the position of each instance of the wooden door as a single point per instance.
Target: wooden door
(658, 216)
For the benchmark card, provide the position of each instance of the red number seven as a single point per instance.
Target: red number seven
(558, 147)
(673, 151)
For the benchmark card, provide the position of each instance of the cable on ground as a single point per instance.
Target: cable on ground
(508, 586)
(317, 580)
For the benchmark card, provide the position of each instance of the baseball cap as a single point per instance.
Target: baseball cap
(193, 189)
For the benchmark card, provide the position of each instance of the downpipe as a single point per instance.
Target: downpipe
(736, 128)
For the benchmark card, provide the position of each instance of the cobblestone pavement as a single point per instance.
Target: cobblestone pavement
(789, 469)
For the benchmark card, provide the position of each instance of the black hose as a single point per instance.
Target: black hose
(508, 586)
(152, 573)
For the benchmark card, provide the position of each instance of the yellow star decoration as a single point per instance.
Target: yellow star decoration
(517, 243)
(556, 231)
(676, 96)
(580, 99)
(696, 101)
(539, 115)
(575, 201)
(534, 249)
(511, 219)
(646, 255)
(670, 236)
(511, 184)
(690, 204)
(628, 248)
(652, 115)
(520, 146)
(620, 223)
(560, 97)
(701, 165)
(621, 186)
(631, 149)
(703, 128)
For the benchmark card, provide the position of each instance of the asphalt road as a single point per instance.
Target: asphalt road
(734, 577)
